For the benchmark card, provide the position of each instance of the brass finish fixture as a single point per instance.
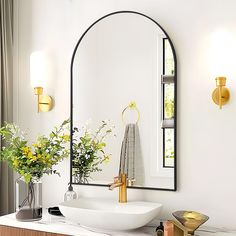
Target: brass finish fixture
(221, 94)
(132, 105)
(38, 90)
(121, 182)
(44, 102)
(191, 220)
(176, 229)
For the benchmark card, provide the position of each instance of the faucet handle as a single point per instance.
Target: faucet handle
(116, 179)
(130, 182)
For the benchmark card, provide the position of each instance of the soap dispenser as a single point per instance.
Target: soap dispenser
(70, 194)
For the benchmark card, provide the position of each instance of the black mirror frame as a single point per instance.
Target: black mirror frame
(175, 105)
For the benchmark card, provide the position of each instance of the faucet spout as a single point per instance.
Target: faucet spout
(115, 185)
(120, 182)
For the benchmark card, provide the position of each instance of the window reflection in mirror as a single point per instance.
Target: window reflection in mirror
(168, 114)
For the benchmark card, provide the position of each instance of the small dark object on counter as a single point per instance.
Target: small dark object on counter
(29, 214)
(160, 229)
(54, 211)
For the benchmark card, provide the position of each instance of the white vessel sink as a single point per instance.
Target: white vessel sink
(109, 214)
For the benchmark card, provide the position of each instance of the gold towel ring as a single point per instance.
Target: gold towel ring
(132, 105)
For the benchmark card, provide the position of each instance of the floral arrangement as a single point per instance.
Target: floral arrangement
(88, 151)
(32, 161)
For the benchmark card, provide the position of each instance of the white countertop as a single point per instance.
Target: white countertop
(60, 225)
(56, 224)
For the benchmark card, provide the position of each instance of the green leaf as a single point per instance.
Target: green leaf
(27, 178)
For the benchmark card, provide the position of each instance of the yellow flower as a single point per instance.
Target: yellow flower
(35, 145)
(39, 156)
(34, 158)
(15, 163)
(46, 159)
(25, 150)
(66, 137)
(30, 154)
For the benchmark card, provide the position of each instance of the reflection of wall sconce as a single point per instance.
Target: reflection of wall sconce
(38, 74)
(221, 94)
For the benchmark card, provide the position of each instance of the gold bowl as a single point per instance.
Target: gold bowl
(190, 219)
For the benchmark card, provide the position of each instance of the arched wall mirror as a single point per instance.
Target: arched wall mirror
(125, 62)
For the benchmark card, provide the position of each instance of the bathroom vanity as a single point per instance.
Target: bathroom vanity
(59, 226)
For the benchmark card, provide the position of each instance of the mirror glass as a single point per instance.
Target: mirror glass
(124, 82)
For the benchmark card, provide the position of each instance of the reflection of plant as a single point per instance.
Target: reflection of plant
(169, 101)
(169, 145)
(170, 152)
(88, 151)
(32, 161)
(169, 108)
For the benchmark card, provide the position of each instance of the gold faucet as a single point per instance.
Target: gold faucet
(121, 182)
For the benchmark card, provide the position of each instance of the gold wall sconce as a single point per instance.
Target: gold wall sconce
(221, 94)
(44, 101)
(38, 77)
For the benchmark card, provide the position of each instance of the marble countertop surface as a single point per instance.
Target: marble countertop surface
(56, 224)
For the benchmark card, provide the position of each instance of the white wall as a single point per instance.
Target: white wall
(206, 157)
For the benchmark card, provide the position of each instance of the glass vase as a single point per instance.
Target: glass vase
(28, 200)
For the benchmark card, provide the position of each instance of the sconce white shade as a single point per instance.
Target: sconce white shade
(222, 54)
(38, 69)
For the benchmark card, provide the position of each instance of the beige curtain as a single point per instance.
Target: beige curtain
(6, 101)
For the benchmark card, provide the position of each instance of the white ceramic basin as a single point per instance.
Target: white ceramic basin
(109, 214)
